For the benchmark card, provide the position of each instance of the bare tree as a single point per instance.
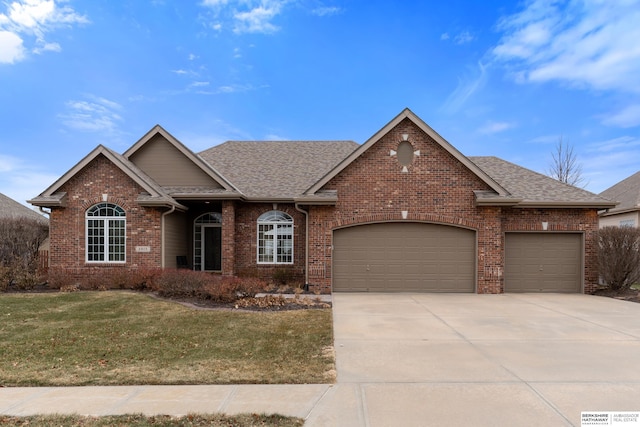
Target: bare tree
(565, 166)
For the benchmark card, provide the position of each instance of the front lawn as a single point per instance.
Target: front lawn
(125, 338)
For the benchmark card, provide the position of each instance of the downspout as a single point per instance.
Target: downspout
(306, 246)
(41, 209)
(162, 249)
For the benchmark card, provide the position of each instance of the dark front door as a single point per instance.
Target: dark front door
(212, 249)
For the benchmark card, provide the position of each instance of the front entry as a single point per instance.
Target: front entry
(212, 248)
(207, 242)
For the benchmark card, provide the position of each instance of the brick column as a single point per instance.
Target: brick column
(320, 248)
(228, 238)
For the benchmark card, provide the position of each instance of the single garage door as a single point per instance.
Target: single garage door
(397, 257)
(543, 262)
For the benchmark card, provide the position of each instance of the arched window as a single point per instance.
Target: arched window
(106, 233)
(275, 238)
(207, 242)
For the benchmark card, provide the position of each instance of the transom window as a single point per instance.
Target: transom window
(275, 238)
(106, 233)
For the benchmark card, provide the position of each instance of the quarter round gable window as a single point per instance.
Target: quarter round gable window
(106, 233)
(405, 153)
(275, 238)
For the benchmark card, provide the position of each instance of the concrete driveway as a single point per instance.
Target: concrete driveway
(481, 360)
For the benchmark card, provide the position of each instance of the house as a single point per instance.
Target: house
(404, 211)
(9, 208)
(627, 213)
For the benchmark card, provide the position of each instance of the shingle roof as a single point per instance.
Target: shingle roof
(9, 208)
(276, 169)
(534, 188)
(627, 192)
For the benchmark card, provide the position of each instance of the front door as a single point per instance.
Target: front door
(212, 248)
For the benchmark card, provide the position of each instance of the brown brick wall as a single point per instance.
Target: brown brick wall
(67, 225)
(437, 188)
(246, 230)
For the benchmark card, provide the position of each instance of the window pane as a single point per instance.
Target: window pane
(106, 233)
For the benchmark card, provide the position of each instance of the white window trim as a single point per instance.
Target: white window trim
(104, 220)
(286, 220)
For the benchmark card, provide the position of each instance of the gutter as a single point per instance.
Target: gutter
(306, 246)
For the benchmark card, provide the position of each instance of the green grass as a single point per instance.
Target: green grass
(124, 338)
(245, 420)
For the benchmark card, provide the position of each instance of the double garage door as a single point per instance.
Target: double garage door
(398, 256)
(418, 257)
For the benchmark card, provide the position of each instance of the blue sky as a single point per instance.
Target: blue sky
(500, 78)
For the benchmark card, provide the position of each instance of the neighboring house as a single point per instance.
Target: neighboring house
(627, 213)
(405, 211)
(9, 208)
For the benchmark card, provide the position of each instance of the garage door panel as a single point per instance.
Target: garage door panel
(543, 262)
(404, 257)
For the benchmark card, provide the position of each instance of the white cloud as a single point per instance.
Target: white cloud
(8, 163)
(326, 11)
(467, 86)
(445, 36)
(214, 3)
(11, 47)
(495, 127)
(95, 114)
(464, 37)
(20, 180)
(591, 44)
(626, 118)
(31, 20)
(258, 19)
(246, 16)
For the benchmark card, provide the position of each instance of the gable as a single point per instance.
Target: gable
(168, 166)
(408, 115)
(151, 193)
(403, 166)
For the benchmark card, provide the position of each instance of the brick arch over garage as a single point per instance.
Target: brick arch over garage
(405, 255)
(352, 220)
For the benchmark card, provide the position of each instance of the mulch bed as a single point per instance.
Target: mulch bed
(277, 299)
(624, 294)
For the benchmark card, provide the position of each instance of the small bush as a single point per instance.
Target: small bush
(282, 276)
(205, 286)
(619, 256)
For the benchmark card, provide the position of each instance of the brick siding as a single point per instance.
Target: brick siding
(437, 188)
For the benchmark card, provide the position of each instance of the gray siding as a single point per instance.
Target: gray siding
(163, 162)
(176, 238)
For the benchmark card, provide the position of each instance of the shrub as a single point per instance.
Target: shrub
(205, 286)
(619, 256)
(20, 239)
(282, 276)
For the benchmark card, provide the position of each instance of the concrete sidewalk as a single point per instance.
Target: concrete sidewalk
(422, 360)
(291, 400)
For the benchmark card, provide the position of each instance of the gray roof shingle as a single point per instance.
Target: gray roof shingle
(627, 192)
(9, 208)
(533, 187)
(276, 169)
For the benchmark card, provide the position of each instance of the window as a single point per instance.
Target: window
(627, 223)
(106, 226)
(275, 238)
